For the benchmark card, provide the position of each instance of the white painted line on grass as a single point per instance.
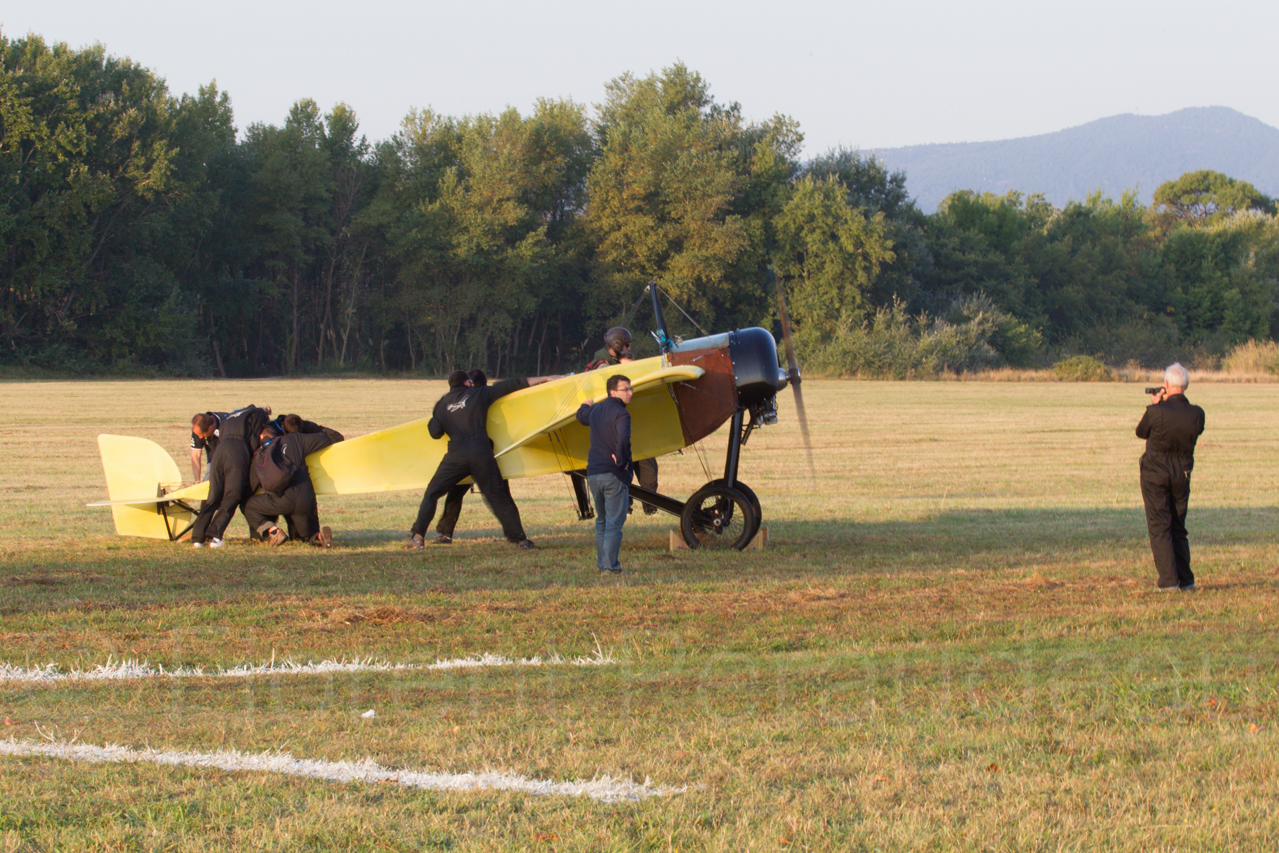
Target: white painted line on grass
(603, 788)
(124, 670)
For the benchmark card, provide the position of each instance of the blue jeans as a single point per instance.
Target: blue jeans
(612, 501)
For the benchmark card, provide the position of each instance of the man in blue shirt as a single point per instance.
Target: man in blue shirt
(609, 468)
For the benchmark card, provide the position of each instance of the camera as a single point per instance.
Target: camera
(1156, 390)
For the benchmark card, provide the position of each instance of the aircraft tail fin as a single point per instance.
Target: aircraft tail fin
(140, 473)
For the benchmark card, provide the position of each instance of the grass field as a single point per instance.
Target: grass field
(951, 642)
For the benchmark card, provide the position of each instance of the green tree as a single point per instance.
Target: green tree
(1205, 195)
(1090, 263)
(674, 194)
(482, 216)
(872, 187)
(829, 253)
(309, 179)
(976, 246)
(1223, 280)
(90, 176)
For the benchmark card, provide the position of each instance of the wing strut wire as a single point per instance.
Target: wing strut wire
(560, 448)
(626, 319)
(631, 313)
(671, 300)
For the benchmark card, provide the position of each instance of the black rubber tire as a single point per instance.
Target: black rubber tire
(718, 517)
(750, 496)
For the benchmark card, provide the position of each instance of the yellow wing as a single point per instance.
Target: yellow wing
(534, 431)
(652, 381)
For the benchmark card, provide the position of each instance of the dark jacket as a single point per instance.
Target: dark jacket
(310, 428)
(1171, 426)
(610, 425)
(244, 423)
(462, 414)
(296, 446)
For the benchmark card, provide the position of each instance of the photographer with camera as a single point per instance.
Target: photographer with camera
(1171, 426)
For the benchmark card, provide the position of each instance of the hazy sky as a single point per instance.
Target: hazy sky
(853, 73)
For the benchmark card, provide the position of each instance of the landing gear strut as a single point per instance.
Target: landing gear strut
(724, 513)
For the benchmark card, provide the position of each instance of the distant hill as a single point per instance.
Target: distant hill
(1112, 154)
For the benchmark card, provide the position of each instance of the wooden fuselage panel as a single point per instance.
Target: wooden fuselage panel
(706, 403)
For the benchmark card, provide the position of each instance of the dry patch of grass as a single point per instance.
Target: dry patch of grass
(375, 616)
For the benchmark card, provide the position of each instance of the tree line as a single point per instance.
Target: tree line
(140, 232)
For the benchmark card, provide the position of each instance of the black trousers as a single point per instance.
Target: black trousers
(228, 489)
(646, 473)
(452, 509)
(298, 504)
(1165, 490)
(478, 464)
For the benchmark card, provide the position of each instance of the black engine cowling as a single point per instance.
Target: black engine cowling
(755, 366)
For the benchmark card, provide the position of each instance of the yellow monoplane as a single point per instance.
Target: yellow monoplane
(681, 396)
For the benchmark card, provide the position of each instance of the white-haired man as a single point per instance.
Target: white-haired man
(1171, 426)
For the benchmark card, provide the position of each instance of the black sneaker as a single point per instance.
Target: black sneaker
(442, 540)
(416, 543)
(526, 545)
(618, 571)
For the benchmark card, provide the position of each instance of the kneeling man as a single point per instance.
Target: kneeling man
(294, 497)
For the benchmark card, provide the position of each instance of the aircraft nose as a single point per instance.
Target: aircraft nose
(755, 369)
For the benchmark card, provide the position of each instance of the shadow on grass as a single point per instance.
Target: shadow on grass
(372, 562)
(1020, 530)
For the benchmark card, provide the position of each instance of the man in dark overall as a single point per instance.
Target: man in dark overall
(296, 501)
(453, 500)
(287, 424)
(616, 351)
(229, 474)
(204, 439)
(1170, 426)
(462, 415)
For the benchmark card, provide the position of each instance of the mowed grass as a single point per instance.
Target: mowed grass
(951, 642)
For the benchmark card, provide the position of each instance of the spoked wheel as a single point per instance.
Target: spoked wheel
(718, 517)
(750, 496)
